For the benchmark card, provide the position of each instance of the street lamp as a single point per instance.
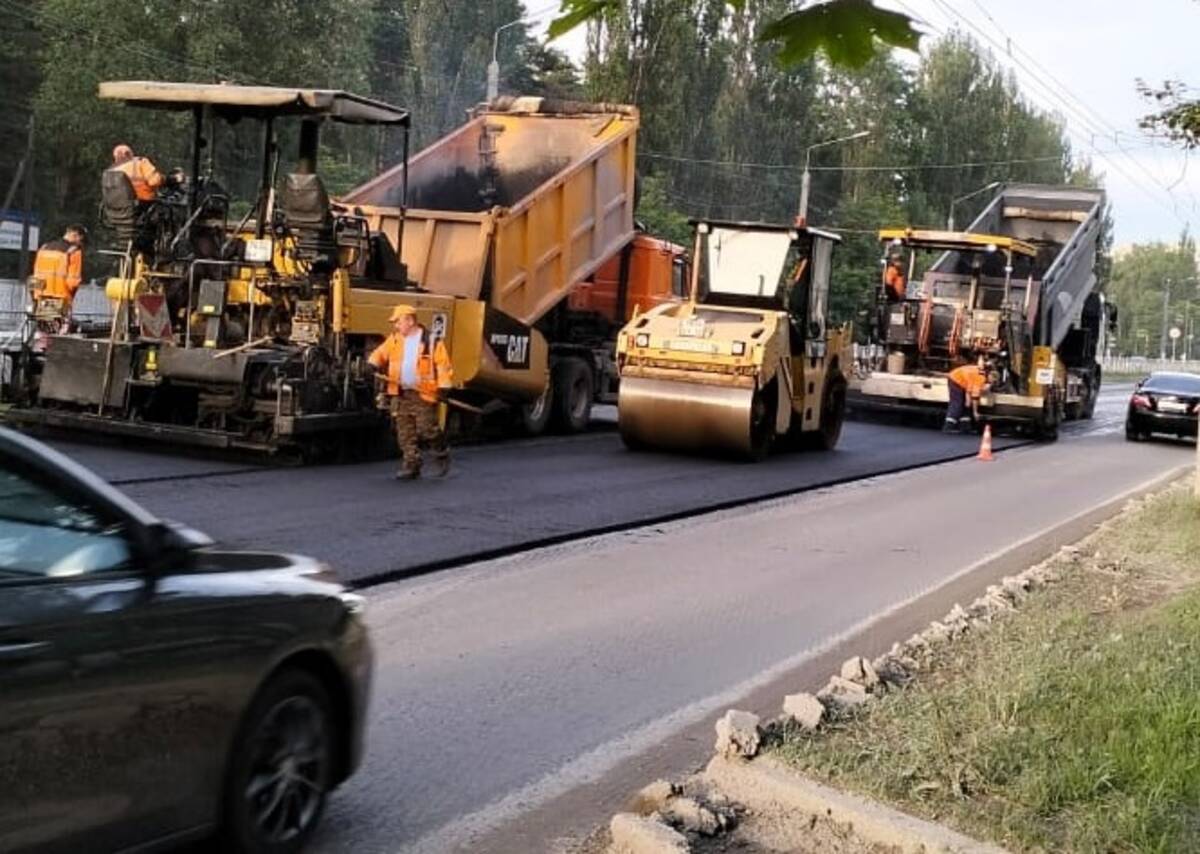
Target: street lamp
(802, 213)
(493, 69)
(970, 195)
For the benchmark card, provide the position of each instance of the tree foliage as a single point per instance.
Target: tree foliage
(847, 32)
(1139, 287)
(1178, 114)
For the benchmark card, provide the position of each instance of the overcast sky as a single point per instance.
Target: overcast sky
(1082, 59)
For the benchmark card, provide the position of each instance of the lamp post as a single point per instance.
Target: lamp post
(802, 212)
(970, 195)
(493, 69)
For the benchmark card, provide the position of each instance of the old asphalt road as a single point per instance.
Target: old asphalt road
(519, 701)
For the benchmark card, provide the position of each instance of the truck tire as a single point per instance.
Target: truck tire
(1089, 406)
(533, 418)
(762, 423)
(833, 416)
(574, 390)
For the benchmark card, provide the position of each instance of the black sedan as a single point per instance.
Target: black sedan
(154, 689)
(1165, 402)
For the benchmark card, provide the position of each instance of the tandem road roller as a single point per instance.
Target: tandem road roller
(747, 359)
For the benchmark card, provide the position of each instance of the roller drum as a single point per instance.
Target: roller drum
(687, 416)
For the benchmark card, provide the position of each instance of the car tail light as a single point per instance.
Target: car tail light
(1142, 401)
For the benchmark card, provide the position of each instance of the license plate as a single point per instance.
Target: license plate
(691, 346)
(1172, 406)
(692, 327)
(897, 318)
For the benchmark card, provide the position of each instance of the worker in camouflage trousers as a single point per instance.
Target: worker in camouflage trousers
(417, 373)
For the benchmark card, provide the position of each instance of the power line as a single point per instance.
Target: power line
(1033, 77)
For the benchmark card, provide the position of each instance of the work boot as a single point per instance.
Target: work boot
(441, 465)
(950, 426)
(408, 473)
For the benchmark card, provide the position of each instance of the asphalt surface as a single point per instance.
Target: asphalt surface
(498, 497)
(506, 684)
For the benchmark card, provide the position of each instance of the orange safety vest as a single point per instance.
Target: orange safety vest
(144, 177)
(970, 379)
(893, 279)
(59, 267)
(433, 372)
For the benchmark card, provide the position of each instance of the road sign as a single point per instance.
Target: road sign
(154, 318)
(1175, 332)
(10, 235)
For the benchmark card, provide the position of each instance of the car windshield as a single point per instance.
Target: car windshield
(749, 262)
(1173, 384)
(48, 534)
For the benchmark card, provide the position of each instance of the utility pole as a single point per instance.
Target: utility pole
(802, 210)
(27, 212)
(1162, 346)
(493, 69)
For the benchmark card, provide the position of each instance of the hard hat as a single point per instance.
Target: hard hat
(402, 311)
(121, 153)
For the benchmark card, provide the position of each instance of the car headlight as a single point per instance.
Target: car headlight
(738, 348)
(643, 339)
(354, 603)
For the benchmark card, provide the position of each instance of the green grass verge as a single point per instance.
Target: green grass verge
(1072, 725)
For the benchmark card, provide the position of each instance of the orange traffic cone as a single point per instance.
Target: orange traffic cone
(985, 446)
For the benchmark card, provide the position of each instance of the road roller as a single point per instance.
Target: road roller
(747, 361)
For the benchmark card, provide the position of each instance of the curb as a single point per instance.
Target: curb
(766, 781)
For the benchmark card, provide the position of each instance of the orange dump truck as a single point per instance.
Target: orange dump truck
(518, 245)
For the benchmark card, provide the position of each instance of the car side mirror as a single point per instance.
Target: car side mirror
(171, 544)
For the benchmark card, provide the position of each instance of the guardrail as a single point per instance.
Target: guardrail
(1146, 365)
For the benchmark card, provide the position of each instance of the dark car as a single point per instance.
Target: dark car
(1164, 402)
(154, 689)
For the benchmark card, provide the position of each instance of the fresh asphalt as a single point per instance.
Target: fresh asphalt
(498, 498)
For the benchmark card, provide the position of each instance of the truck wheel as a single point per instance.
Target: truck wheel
(573, 393)
(534, 417)
(833, 416)
(1089, 405)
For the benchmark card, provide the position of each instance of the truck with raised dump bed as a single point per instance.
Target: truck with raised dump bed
(518, 244)
(1017, 289)
(512, 236)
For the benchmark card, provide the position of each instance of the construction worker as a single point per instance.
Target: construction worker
(142, 174)
(58, 267)
(416, 374)
(894, 280)
(966, 382)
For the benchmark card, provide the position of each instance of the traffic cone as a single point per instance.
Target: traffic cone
(985, 446)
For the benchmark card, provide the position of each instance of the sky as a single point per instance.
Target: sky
(1081, 59)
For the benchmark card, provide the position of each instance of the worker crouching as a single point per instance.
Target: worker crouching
(416, 375)
(965, 383)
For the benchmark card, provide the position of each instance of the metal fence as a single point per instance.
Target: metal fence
(1146, 365)
(91, 306)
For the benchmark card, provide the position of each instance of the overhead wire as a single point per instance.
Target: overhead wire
(1169, 204)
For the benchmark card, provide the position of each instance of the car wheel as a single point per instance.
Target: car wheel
(1132, 435)
(281, 767)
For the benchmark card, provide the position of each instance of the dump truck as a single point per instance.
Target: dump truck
(518, 238)
(748, 360)
(252, 333)
(1017, 289)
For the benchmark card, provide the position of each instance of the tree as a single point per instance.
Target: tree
(1178, 116)
(1139, 287)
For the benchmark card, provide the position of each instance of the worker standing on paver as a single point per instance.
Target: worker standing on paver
(963, 383)
(416, 375)
(58, 267)
(894, 280)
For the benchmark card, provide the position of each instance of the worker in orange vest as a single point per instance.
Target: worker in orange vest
(894, 281)
(417, 373)
(58, 267)
(142, 174)
(963, 383)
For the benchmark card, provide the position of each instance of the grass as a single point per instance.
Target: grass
(1072, 725)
